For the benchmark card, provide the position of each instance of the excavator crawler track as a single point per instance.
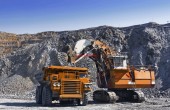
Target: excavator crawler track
(104, 96)
(113, 97)
(129, 95)
(138, 96)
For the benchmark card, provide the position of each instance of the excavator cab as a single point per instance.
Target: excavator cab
(129, 76)
(119, 61)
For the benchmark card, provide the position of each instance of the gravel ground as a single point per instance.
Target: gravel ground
(150, 104)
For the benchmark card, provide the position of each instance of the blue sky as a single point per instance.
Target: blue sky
(32, 16)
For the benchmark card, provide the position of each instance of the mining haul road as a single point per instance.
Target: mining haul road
(149, 104)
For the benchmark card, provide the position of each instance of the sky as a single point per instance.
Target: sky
(33, 16)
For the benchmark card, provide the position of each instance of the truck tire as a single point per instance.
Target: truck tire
(84, 101)
(65, 102)
(38, 95)
(46, 96)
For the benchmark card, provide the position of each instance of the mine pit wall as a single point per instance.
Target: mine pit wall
(146, 44)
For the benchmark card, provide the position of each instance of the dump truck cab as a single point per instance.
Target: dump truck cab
(63, 83)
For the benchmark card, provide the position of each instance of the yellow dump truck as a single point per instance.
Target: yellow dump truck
(64, 84)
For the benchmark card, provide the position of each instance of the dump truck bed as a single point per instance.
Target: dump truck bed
(67, 68)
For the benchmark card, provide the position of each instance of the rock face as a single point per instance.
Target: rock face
(146, 44)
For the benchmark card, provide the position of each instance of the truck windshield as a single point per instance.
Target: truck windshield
(83, 75)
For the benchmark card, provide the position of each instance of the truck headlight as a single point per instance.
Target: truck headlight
(56, 84)
(87, 85)
(153, 82)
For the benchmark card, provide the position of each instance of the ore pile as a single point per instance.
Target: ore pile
(19, 68)
(146, 44)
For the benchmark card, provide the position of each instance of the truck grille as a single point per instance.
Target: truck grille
(70, 87)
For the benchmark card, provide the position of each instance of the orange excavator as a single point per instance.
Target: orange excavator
(117, 79)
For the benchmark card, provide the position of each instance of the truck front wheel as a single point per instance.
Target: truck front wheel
(46, 96)
(38, 95)
(84, 101)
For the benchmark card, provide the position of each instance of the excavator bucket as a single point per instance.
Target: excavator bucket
(82, 44)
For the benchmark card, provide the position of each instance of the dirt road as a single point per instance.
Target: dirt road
(150, 104)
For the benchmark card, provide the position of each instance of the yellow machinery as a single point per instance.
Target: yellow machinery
(115, 76)
(63, 83)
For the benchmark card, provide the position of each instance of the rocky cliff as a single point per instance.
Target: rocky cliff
(146, 44)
